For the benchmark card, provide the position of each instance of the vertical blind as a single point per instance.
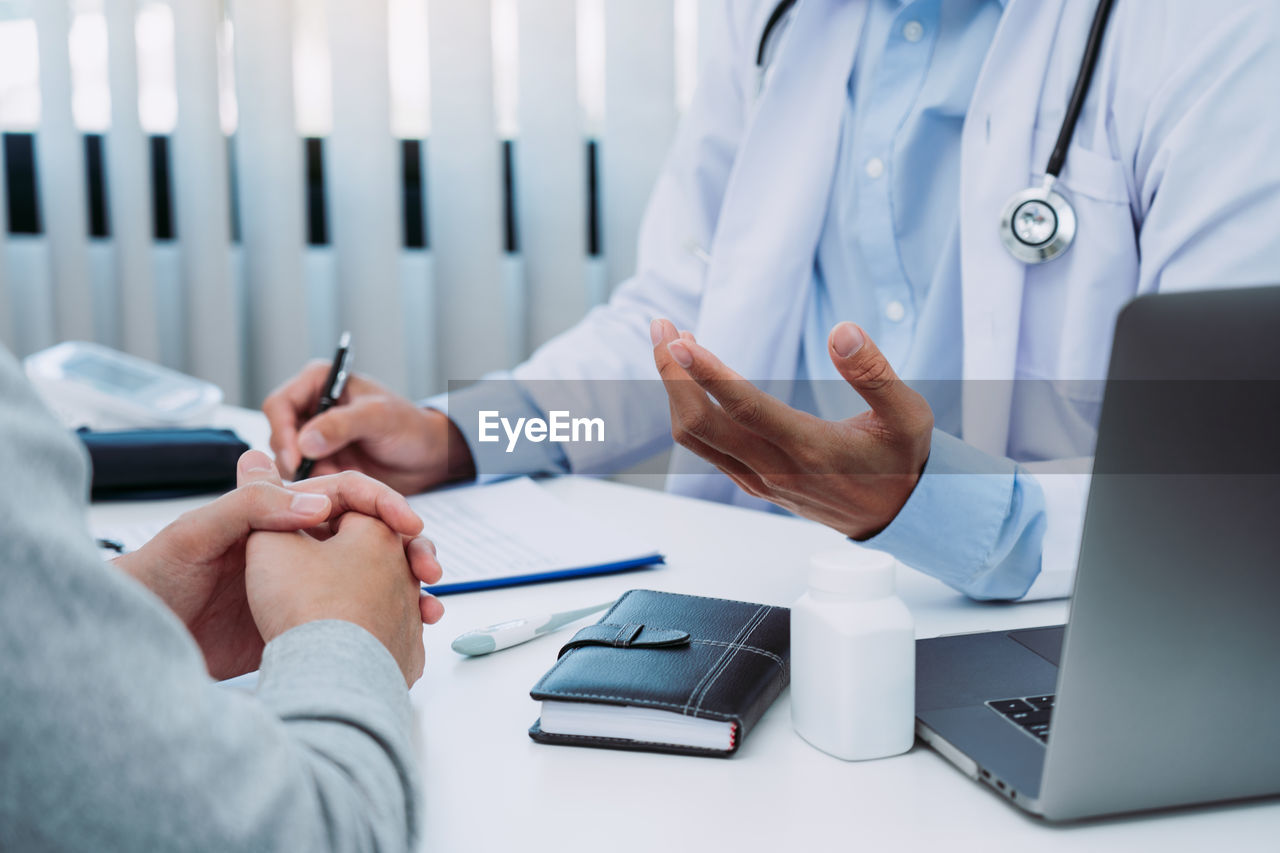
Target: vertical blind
(278, 206)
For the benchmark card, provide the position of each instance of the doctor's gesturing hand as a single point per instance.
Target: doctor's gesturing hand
(853, 475)
(372, 431)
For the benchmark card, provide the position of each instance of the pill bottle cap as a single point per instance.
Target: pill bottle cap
(857, 573)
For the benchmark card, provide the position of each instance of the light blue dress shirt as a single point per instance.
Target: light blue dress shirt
(888, 259)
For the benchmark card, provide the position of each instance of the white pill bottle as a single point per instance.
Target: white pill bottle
(853, 657)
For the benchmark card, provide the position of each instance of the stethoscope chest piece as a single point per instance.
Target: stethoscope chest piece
(1038, 224)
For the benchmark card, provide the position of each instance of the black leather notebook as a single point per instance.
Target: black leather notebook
(667, 673)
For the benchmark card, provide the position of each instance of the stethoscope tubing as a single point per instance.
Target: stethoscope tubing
(1088, 63)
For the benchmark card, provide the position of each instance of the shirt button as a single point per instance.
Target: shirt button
(895, 311)
(913, 31)
(875, 167)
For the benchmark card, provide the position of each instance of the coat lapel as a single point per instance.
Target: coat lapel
(996, 163)
(771, 217)
(763, 249)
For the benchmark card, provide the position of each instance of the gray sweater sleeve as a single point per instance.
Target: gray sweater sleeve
(112, 735)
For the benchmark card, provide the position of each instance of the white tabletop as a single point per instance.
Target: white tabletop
(488, 787)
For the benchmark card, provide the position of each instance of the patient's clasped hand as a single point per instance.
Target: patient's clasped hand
(267, 557)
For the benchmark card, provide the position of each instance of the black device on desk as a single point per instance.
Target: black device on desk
(333, 388)
(148, 464)
(1159, 692)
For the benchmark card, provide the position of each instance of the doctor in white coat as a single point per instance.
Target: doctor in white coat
(859, 173)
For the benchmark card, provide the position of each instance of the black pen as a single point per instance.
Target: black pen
(332, 391)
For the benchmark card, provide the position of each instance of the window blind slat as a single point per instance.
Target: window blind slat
(269, 179)
(202, 203)
(60, 170)
(128, 187)
(361, 166)
(465, 194)
(550, 177)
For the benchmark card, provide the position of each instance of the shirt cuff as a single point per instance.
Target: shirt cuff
(493, 460)
(974, 521)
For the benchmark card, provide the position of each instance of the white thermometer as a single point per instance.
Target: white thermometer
(504, 635)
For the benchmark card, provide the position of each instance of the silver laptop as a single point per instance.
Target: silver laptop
(1162, 689)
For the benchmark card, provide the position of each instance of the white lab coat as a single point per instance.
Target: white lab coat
(1174, 171)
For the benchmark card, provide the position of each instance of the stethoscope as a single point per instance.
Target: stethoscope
(1037, 224)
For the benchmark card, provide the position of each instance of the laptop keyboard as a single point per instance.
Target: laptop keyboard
(1031, 714)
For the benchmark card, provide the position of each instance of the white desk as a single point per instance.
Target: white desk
(487, 787)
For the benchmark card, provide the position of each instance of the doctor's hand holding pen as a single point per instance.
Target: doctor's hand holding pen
(371, 430)
(853, 475)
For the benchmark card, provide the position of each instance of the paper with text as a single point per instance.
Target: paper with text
(515, 529)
